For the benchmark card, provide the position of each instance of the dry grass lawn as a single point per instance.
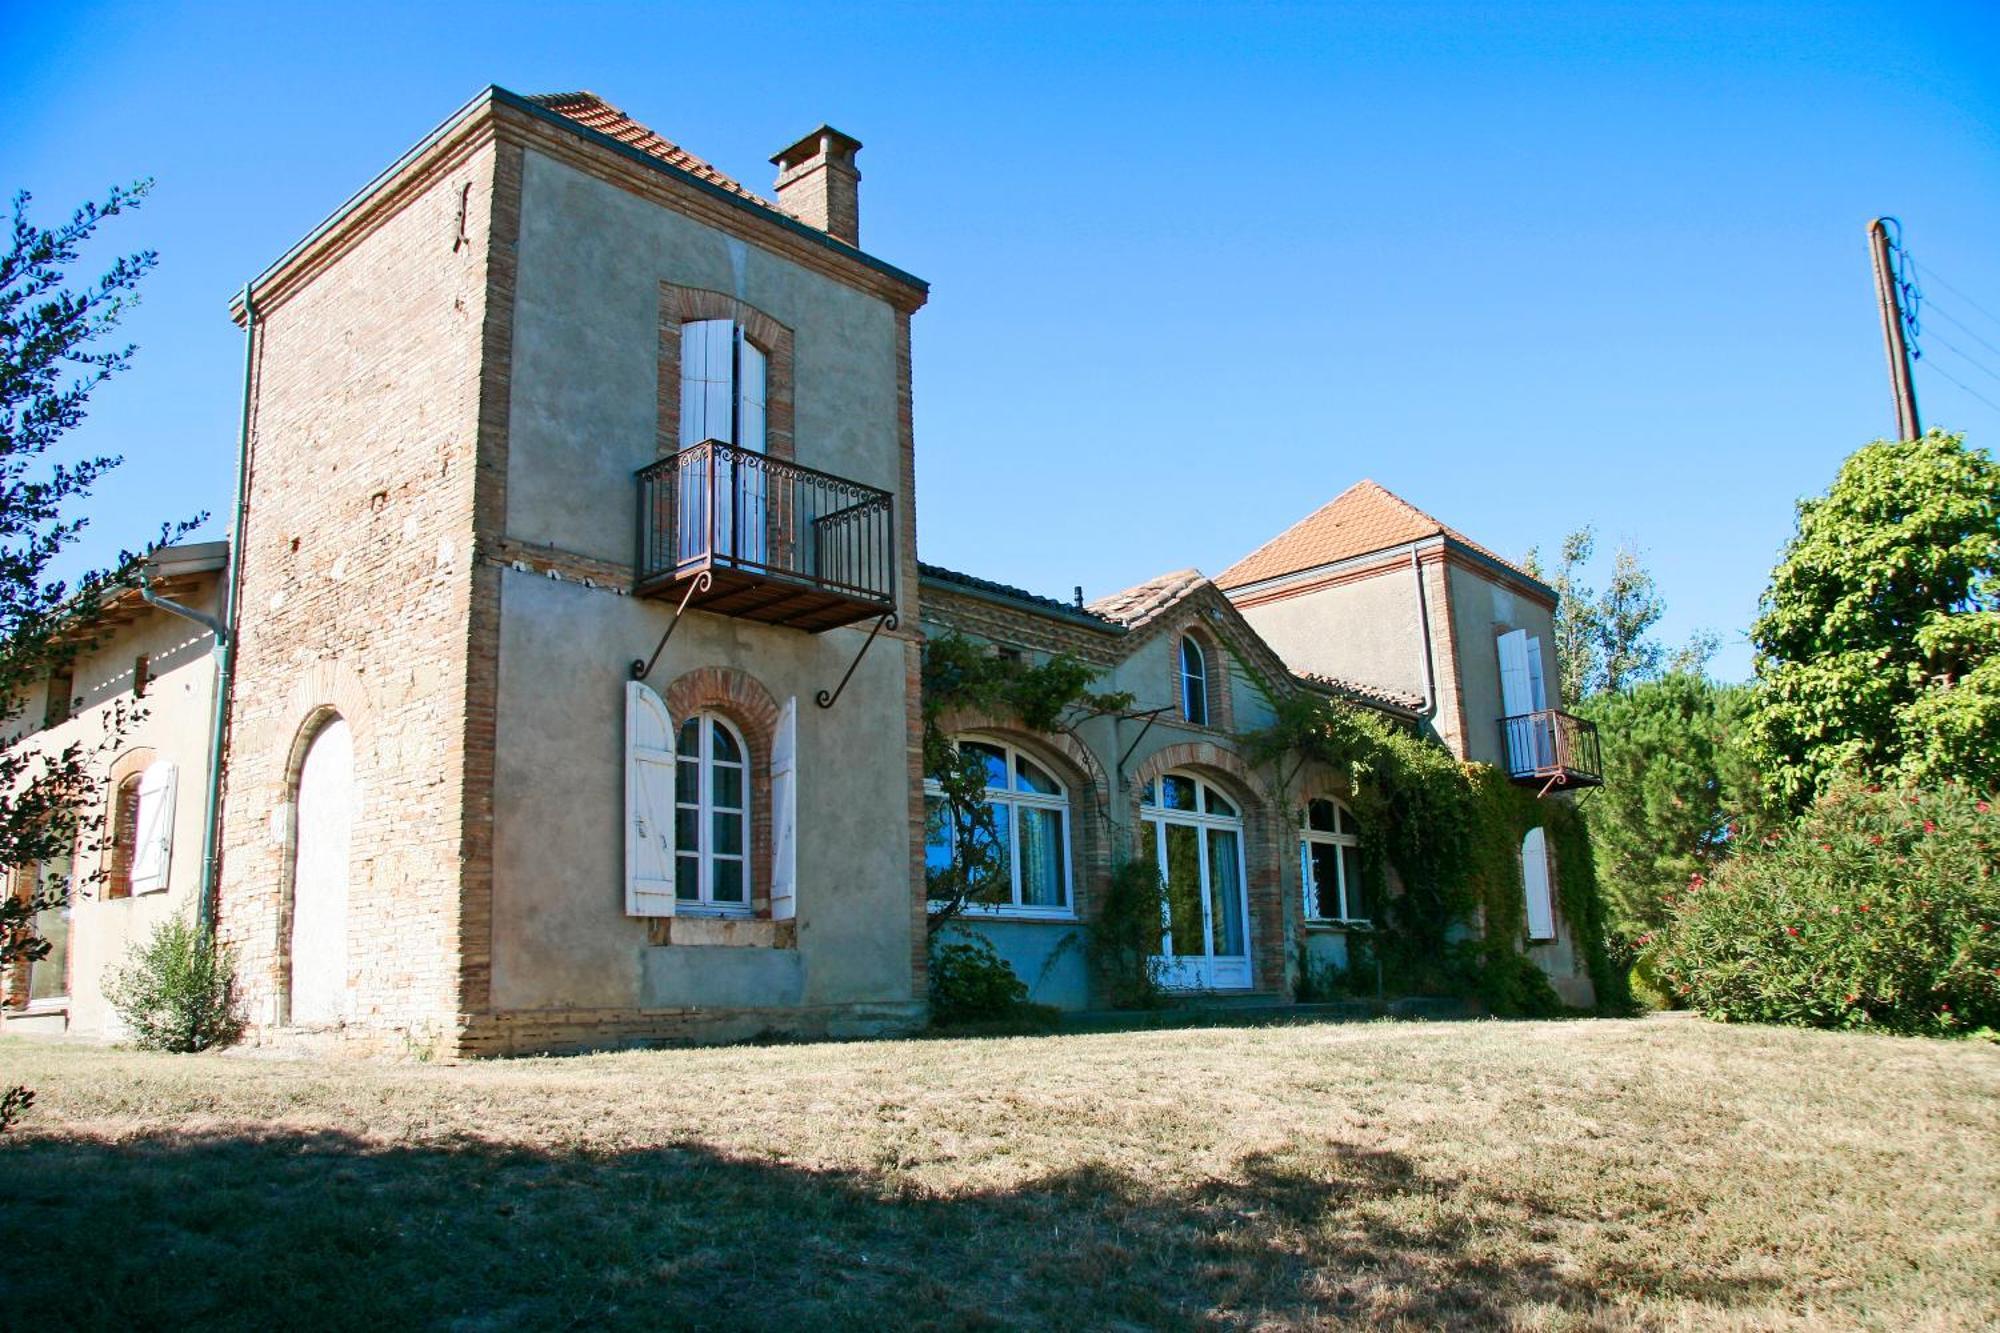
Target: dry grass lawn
(1664, 1173)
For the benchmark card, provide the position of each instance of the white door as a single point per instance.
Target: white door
(1198, 844)
(319, 881)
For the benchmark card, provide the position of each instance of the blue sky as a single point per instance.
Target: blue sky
(1195, 269)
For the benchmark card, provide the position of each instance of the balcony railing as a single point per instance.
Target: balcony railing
(1552, 747)
(782, 543)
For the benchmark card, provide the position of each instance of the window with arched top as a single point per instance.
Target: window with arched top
(1030, 826)
(1194, 681)
(1537, 884)
(1330, 864)
(711, 816)
(1197, 833)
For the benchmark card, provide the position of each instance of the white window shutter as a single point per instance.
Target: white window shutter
(1535, 881)
(1538, 688)
(649, 803)
(785, 814)
(1516, 692)
(153, 846)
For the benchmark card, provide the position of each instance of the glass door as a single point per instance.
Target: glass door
(1197, 836)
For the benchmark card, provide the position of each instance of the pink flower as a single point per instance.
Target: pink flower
(1875, 838)
(1792, 930)
(1864, 907)
(1981, 806)
(1695, 881)
(1929, 827)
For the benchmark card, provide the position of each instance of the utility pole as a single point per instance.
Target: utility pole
(1888, 293)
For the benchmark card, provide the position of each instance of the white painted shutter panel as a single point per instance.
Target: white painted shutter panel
(1538, 689)
(1516, 693)
(153, 847)
(1535, 880)
(785, 814)
(649, 803)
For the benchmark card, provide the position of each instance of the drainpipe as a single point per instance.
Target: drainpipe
(1424, 638)
(225, 643)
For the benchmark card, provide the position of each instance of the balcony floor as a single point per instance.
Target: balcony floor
(1564, 778)
(768, 598)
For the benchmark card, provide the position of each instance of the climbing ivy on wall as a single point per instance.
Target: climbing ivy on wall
(1453, 833)
(1047, 697)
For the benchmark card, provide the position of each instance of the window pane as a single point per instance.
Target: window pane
(1001, 888)
(1032, 778)
(687, 782)
(1347, 824)
(1225, 895)
(728, 787)
(1358, 906)
(728, 880)
(750, 401)
(1150, 797)
(1184, 923)
(688, 745)
(726, 749)
(1324, 900)
(937, 837)
(687, 829)
(1319, 815)
(687, 878)
(1041, 858)
(728, 833)
(1177, 793)
(48, 976)
(1219, 804)
(995, 759)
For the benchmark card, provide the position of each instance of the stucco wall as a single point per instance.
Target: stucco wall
(172, 722)
(1482, 609)
(584, 415)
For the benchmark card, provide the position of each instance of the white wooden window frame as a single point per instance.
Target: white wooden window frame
(1194, 682)
(702, 901)
(1011, 802)
(1308, 838)
(1204, 823)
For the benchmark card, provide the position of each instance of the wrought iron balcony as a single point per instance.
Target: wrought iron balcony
(782, 544)
(1552, 748)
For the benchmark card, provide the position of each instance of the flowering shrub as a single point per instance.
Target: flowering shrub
(1878, 908)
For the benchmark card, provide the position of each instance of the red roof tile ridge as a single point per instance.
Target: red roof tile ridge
(594, 113)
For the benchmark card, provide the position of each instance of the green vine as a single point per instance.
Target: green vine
(1453, 833)
(1048, 697)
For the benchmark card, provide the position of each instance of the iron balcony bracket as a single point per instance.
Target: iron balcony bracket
(702, 583)
(825, 700)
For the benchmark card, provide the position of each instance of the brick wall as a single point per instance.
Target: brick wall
(357, 588)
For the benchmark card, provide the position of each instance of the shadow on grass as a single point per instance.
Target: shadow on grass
(325, 1230)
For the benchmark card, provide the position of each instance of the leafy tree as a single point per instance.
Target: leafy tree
(1604, 640)
(1676, 786)
(1878, 644)
(53, 355)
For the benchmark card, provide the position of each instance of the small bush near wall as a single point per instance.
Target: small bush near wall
(177, 990)
(971, 982)
(1878, 908)
(1124, 936)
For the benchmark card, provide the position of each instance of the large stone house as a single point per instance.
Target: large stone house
(577, 629)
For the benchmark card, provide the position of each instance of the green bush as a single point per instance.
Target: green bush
(177, 990)
(1505, 980)
(1877, 908)
(971, 983)
(1124, 937)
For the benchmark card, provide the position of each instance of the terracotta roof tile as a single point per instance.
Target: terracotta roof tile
(1363, 518)
(594, 113)
(1373, 695)
(1140, 603)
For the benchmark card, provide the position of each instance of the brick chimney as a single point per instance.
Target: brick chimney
(818, 184)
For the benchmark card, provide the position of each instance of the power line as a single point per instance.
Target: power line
(1969, 332)
(1959, 351)
(1934, 276)
(1963, 385)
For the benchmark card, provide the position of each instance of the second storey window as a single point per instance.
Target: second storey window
(1194, 682)
(722, 385)
(711, 816)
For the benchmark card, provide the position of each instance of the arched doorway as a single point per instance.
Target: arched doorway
(1197, 841)
(318, 944)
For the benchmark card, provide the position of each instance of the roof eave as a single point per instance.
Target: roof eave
(1081, 619)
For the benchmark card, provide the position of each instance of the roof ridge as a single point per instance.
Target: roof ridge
(593, 112)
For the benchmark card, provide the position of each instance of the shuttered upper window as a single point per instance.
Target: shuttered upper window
(723, 385)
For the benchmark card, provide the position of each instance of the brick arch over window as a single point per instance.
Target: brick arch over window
(682, 305)
(743, 700)
(1080, 772)
(1269, 842)
(120, 814)
(1215, 669)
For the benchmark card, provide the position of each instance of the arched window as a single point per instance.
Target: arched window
(124, 836)
(1330, 862)
(723, 378)
(324, 837)
(1030, 825)
(1194, 682)
(711, 816)
(1197, 841)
